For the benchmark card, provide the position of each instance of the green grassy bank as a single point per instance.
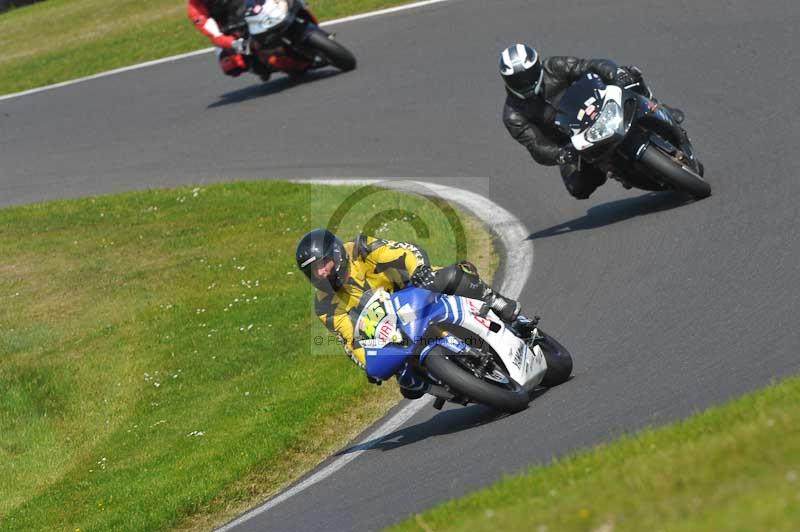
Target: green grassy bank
(59, 40)
(157, 359)
(733, 467)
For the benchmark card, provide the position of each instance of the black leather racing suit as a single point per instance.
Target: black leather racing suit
(531, 121)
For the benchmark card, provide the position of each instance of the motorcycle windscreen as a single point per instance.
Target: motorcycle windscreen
(580, 104)
(416, 309)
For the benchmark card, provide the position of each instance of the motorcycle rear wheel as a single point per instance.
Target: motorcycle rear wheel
(335, 53)
(675, 173)
(511, 399)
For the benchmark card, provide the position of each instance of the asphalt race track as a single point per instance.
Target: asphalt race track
(668, 306)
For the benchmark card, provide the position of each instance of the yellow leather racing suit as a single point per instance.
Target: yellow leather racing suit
(374, 263)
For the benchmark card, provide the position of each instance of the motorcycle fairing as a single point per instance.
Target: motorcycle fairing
(264, 15)
(416, 309)
(526, 366)
(583, 104)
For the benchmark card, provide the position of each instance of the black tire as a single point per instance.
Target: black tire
(559, 361)
(463, 382)
(675, 174)
(335, 53)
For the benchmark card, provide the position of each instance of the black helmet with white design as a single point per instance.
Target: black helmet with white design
(521, 70)
(314, 252)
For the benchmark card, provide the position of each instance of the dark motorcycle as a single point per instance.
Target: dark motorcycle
(289, 26)
(629, 136)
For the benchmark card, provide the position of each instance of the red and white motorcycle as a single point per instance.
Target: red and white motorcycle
(285, 35)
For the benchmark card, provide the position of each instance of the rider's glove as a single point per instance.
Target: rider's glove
(224, 41)
(423, 276)
(239, 46)
(605, 69)
(635, 72)
(567, 155)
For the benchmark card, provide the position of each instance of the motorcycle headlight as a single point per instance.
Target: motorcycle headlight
(608, 123)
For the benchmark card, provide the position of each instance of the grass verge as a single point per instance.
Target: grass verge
(157, 366)
(59, 40)
(733, 467)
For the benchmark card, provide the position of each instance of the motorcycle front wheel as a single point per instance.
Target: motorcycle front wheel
(559, 361)
(336, 54)
(509, 397)
(674, 173)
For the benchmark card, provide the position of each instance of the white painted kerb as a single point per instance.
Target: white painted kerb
(515, 270)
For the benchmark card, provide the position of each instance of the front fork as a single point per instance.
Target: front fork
(657, 127)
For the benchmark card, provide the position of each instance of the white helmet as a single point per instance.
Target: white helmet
(521, 70)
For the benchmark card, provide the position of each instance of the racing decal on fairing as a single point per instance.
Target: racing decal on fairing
(370, 319)
(475, 310)
(453, 343)
(377, 324)
(517, 356)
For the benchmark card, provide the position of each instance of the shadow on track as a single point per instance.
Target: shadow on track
(274, 86)
(446, 422)
(617, 211)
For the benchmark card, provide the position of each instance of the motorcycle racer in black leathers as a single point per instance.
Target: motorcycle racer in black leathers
(534, 88)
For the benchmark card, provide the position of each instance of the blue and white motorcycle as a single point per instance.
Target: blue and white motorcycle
(456, 350)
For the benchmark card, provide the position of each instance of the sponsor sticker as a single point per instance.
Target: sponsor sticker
(475, 310)
(518, 355)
